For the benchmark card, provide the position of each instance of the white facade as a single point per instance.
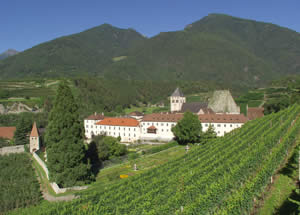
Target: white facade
(221, 128)
(90, 127)
(176, 103)
(126, 133)
(163, 130)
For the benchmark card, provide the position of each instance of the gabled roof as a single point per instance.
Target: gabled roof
(34, 131)
(119, 122)
(152, 127)
(222, 118)
(195, 107)
(254, 113)
(7, 132)
(95, 117)
(177, 93)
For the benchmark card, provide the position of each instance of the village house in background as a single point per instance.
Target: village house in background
(7, 133)
(221, 112)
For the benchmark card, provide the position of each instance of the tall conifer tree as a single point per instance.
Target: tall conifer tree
(64, 141)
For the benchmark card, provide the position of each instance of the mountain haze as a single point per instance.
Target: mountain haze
(8, 53)
(216, 48)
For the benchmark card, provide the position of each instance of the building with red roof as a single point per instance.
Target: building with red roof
(7, 132)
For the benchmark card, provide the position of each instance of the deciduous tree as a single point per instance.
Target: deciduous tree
(188, 129)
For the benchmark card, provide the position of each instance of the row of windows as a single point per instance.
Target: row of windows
(109, 127)
(162, 130)
(157, 124)
(219, 125)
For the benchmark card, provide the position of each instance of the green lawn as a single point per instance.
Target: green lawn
(112, 174)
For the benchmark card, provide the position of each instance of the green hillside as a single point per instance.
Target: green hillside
(220, 48)
(222, 177)
(84, 53)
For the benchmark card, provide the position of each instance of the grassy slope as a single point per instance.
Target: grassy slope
(276, 198)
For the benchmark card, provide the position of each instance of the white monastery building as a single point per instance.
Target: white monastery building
(221, 113)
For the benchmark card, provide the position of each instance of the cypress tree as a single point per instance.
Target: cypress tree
(64, 140)
(22, 129)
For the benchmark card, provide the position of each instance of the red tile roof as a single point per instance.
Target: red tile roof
(162, 117)
(119, 122)
(222, 118)
(7, 132)
(152, 128)
(254, 113)
(204, 118)
(34, 131)
(95, 117)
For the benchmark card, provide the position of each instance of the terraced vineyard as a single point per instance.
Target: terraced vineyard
(222, 177)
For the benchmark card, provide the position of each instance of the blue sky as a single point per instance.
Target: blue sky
(26, 23)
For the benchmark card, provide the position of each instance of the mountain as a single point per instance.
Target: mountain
(79, 54)
(218, 48)
(8, 53)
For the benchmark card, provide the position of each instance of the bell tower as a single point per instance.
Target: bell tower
(177, 99)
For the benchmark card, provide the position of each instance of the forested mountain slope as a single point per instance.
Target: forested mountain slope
(84, 53)
(217, 48)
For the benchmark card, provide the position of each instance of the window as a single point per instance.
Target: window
(230, 125)
(167, 124)
(91, 126)
(218, 132)
(162, 130)
(224, 125)
(148, 123)
(128, 129)
(162, 124)
(219, 125)
(134, 129)
(87, 126)
(206, 125)
(124, 129)
(176, 101)
(212, 125)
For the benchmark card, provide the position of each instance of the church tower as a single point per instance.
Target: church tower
(177, 99)
(34, 144)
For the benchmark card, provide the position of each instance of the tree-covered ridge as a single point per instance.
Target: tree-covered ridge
(218, 47)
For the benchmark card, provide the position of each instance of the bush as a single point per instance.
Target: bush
(109, 147)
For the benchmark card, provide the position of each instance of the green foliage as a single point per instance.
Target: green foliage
(188, 129)
(116, 95)
(109, 147)
(209, 135)
(64, 140)
(19, 186)
(23, 128)
(4, 142)
(159, 148)
(219, 178)
(88, 52)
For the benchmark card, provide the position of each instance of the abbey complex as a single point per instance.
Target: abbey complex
(221, 112)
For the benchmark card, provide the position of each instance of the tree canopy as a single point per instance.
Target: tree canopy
(64, 141)
(188, 129)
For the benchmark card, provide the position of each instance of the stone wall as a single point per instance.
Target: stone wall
(54, 186)
(12, 149)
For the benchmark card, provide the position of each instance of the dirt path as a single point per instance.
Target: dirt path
(50, 198)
